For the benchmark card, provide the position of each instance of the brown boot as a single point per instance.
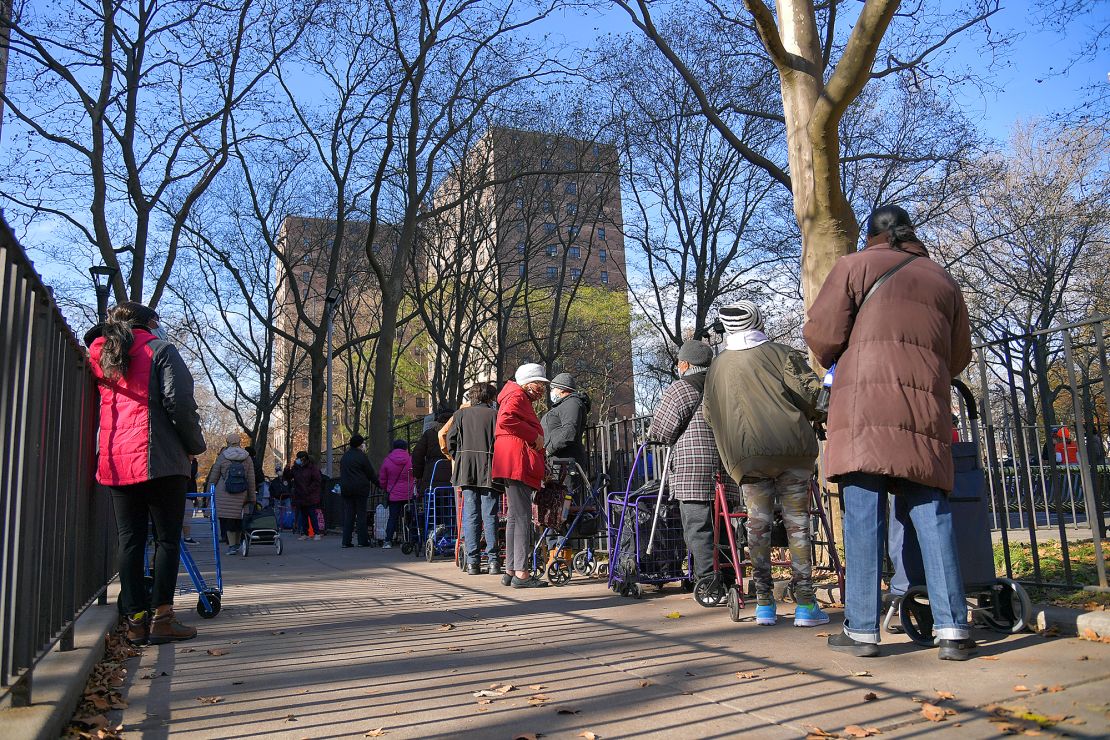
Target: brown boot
(138, 629)
(165, 628)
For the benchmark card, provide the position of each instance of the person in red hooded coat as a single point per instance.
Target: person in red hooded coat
(518, 462)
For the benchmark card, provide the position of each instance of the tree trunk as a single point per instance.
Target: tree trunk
(381, 403)
(316, 406)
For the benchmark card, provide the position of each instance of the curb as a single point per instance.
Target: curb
(1071, 622)
(59, 678)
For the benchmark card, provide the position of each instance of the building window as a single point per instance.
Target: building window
(520, 248)
(568, 165)
(601, 233)
(420, 403)
(605, 277)
(552, 250)
(548, 184)
(399, 402)
(572, 231)
(571, 188)
(305, 383)
(545, 164)
(552, 273)
(597, 150)
(305, 259)
(547, 207)
(306, 276)
(575, 273)
(549, 228)
(572, 209)
(602, 255)
(575, 253)
(520, 202)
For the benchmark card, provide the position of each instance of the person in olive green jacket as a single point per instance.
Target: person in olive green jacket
(760, 400)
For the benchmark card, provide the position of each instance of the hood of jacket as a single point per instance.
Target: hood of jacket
(236, 454)
(398, 457)
(883, 242)
(580, 395)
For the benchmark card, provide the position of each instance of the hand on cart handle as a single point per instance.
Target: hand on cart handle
(819, 430)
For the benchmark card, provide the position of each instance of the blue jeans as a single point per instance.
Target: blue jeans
(865, 522)
(904, 552)
(480, 511)
(395, 509)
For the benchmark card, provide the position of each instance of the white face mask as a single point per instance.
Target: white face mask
(160, 333)
(555, 396)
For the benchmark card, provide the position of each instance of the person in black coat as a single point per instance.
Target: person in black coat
(356, 474)
(426, 453)
(470, 445)
(564, 425)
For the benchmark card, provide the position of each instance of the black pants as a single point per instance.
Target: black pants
(697, 530)
(354, 519)
(160, 502)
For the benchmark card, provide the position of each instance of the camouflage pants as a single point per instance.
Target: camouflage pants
(792, 490)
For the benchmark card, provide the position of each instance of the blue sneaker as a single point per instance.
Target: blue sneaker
(765, 614)
(809, 615)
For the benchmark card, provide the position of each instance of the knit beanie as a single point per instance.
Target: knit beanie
(741, 316)
(695, 352)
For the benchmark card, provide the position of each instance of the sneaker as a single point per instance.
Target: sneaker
(347, 544)
(494, 567)
(318, 537)
(474, 569)
(528, 583)
(507, 579)
(165, 628)
(809, 615)
(189, 541)
(303, 537)
(765, 614)
(138, 629)
(841, 643)
(387, 546)
(957, 650)
(233, 550)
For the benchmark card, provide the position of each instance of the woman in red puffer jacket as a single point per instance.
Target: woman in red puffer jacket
(518, 462)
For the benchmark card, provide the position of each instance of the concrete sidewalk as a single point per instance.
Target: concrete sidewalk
(324, 642)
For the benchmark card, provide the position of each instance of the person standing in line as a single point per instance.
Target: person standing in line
(565, 422)
(470, 446)
(679, 421)
(356, 476)
(761, 401)
(305, 480)
(149, 427)
(397, 481)
(518, 463)
(890, 419)
(426, 453)
(233, 476)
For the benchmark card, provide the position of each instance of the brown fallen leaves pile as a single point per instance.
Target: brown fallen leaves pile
(1019, 720)
(102, 694)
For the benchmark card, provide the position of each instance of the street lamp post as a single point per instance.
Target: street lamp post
(102, 280)
(330, 302)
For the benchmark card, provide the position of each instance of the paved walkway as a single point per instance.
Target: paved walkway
(322, 642)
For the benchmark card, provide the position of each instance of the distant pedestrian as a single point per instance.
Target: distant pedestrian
(890, 422)
(470, 444)
(430, 467)
(149, 427)
(233, 476)
(306, 482)
(761, 401)
(356, 477)
(518, 463)
(679, 422)
(397, 481)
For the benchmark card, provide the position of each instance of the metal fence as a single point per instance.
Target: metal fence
(58, 533)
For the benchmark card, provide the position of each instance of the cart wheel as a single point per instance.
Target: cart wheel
(636, 591)
(601, 569)
(734, 603)
(582, 562)
(687, 585)
(709, 591)
(213, 605)
(245, 546)
(277, 544)
(429, 550)
(407, 548)
(558, 574)
(1005, 608)
(916, 616)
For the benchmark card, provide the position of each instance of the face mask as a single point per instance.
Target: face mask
(160, 333)
(298, 461)
(555, 397)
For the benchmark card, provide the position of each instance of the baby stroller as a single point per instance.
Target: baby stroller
(997, 603)
(260, 528)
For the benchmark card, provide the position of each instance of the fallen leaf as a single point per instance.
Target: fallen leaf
(1055, 689)
(857, 731)
(588, 735)
(988, 657)
(485, 701)
(375, 733)
(210, 699)
(672, 615)
(445, 628)
(485, 692)
(187, 650)
(645, 684)
(1084, 657)
(747, 675)
(216, 651)
(537, 687)
(823, 634)
(933, 713)
(290, 718)
(870, 696)
(503, 688)
(817, 732)
(1019, 687)
(568, 710)
(944, 695)
(860, 674)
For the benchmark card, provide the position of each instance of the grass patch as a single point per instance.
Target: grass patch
(1082, 558)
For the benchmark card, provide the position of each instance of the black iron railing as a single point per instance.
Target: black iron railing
(57, 552)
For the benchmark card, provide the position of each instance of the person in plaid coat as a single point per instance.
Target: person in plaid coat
(695, 462)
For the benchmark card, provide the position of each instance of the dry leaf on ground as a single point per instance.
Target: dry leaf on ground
(746, 675)
(870, 696)
(537, 687)
(485, 692)
(988, 657)
(502, 688)
(860, 674)
(1019, 687)
(290, 718)
(672, 615)
(857, 731)
(933, 713)
(588, 735)
(816, 732)
(537, 700)
(645, 684)
(944, 695)
(823, 634)
(217, 651)
(1055, 689)
(445, 628)
(210, 699)
(375, 733)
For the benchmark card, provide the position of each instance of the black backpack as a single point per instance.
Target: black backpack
(236, 479)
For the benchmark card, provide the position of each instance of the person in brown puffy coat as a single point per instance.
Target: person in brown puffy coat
(890, 420)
